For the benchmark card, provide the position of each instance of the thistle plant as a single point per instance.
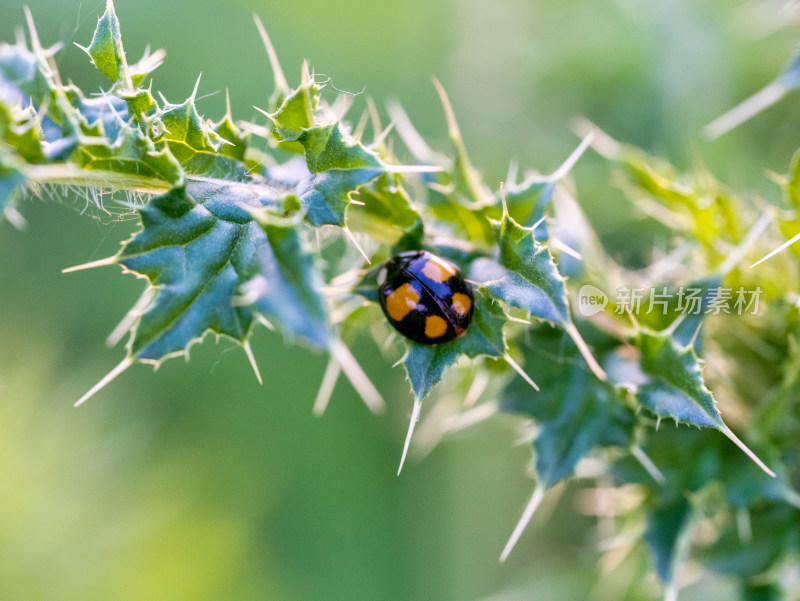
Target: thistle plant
(242, 223)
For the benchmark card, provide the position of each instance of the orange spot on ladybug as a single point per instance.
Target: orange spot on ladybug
(435, 326)
(438, 270)
(461, 303)
(402, 301)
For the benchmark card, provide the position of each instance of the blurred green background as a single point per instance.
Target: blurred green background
(196, 483)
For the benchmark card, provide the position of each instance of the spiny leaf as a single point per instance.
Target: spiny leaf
(198, 245)
(676, 388)
(426, 364)
(287, 289)
(106, 49)
(383, 211)
(131, 152)
(338, 166)
(296, 112)
(574, 411)
(530, 280)
(195, 144)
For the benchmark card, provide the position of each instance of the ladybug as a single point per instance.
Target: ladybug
(425, 297)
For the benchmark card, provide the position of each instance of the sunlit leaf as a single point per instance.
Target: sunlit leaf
(287, 289)
(198, 245)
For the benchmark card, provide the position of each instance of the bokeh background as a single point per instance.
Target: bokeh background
(195, 483)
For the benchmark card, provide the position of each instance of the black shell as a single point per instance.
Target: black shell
(425, 297)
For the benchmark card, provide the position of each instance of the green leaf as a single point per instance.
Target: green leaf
(196, 145)
(131, 153)
(527, 278)
(338, 167)
(425, 364)
(106, 49)
(384, 211)
(531, 280)
(574, 411)
(287, 289)
(198, 245)
(527, 201)
(591, 416)
(676, 389)
(296, 112)
(665, 523)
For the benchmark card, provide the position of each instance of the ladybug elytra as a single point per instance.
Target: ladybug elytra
(425, 297)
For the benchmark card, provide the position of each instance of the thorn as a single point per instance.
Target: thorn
(747, 242)
(358, 132)
(352, 239)
(382, 135)
(228, 103)
(265, 322)
(729, 433)
(670, 329)
(263, 112)
(109, 377)
(527, 514)
(566, 249)
(503, 201)
(248, 350)
(777, 250)
(763, 99)
(479, 383)
(585, 351)
(695, 335)
(15, 218)
(539, 222)
(35, 43)
(329, 379)
(130, 318)
(647, 463)
(472, 416)
(520, 371)
(411, 137)
(196, 87)
(352, 370)
(91, 264)
(603, 144)
(518, 319)
(277, 72)
(576, 154)
(792, 497)
(450, 116)
(413, 422)
(513, 170)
